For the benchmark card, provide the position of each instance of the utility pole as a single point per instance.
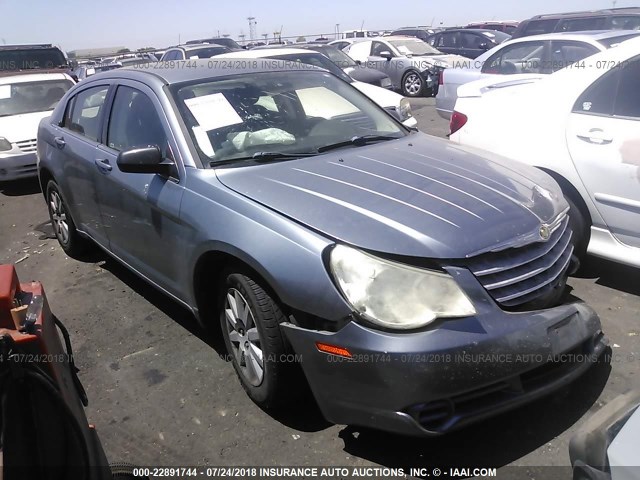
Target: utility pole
(337, 31)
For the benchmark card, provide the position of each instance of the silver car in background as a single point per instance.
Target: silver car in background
(414, 66)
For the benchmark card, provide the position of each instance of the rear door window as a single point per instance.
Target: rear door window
(599, 98)
(85, 111)
(628, 98)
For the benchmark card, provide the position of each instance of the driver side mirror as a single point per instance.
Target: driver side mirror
(145, 160)
(386, 54)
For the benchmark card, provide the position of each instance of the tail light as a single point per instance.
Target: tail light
(458, 120)
(441, 77)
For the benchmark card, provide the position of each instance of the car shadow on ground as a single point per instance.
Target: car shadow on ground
(492, 443)
(612, 275)
(303, 415)
(19, 188)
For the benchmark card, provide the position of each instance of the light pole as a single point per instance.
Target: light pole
(252, 27)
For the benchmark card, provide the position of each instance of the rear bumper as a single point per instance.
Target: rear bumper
(15, 167)
(457, 373)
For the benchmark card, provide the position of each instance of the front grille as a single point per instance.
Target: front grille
(28, 146)
(517, 276)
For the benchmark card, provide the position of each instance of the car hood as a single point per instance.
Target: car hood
(418, 196)
(17, 128)
(383, 97)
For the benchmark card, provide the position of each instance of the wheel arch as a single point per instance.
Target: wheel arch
(207, 278)
(572, 192)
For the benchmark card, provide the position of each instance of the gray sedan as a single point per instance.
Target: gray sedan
(414, 66)
(418, 284)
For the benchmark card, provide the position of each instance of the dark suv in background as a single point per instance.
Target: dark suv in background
(31, 57)
(610, 19)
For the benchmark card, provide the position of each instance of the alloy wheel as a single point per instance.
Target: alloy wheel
(412, 84)
(244, 337)
(59, 217)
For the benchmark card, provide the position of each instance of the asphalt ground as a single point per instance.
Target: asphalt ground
(161, 392)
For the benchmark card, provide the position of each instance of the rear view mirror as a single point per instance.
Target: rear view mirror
(483, 46)
(144, 160)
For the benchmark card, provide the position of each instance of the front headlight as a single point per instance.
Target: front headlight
(385, 82)
(395, 295)
(5, 144)
(404, 110)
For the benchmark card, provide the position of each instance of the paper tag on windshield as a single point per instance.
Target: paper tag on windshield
(213, 111)
(203, 141)
(5, 91)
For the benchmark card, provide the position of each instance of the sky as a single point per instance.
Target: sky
(76, 24)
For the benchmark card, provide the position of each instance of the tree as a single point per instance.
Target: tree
(301, 39)
(124, 50)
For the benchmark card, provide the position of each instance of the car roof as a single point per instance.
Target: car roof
(267, 52)
(164, 73)
(585, 35)
(32, 77)
(34, 46)
(193, 46)
(469, 30)
(589, 13)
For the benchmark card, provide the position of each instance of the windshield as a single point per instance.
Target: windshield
(277, 112)
(414, 46)
(31, 58)
(496, 36)
(317, 60)
(338, 57)
(29, 97)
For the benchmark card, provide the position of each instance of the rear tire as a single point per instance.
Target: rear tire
(64, 227)
(250, 321)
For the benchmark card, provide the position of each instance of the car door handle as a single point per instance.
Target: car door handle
(103, 165)
(59, 142)
(596, 136)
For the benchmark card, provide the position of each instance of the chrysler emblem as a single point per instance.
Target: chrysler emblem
(545, 233)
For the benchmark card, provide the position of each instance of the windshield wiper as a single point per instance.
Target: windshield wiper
(357, 141)
(262, 157)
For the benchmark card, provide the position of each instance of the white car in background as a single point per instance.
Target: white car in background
(582, 126)
(25, 99)
(392, 102)
(540, 54)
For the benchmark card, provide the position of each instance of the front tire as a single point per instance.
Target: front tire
(63, 225)
(250, 321)
(413, 85)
